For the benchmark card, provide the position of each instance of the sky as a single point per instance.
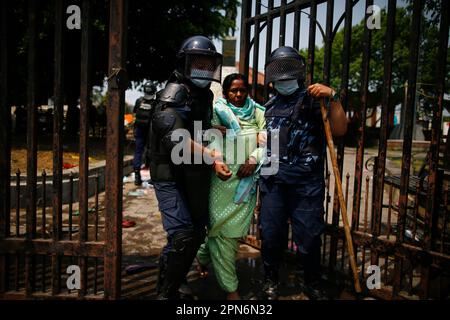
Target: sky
(339, 6)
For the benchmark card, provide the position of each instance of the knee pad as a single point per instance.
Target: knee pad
(182, 240)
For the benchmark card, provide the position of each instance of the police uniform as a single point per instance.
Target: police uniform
(182, 190)
(296, 190)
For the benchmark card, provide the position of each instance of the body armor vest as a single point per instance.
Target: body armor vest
(299, 129)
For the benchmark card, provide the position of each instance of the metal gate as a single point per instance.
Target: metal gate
(36, 261)
(380, 231)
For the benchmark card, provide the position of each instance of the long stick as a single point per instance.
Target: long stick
(337, 176)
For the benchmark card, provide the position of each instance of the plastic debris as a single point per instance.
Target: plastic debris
(68, 166)
(128, 224)
(137, 193)
(77, 212)
(129, 178)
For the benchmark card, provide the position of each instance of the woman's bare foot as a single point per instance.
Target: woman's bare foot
(233, 296)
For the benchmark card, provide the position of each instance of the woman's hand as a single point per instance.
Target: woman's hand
(222, 129)
(222, 171)
(262, 139)
(248, 168)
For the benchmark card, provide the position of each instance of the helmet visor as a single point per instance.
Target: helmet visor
(284, 69)
(203, 66)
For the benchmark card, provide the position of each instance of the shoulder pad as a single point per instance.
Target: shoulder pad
(174, 93)
(269, 103)
(163, 121)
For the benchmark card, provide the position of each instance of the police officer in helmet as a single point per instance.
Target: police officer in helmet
(182, 190)
(296, 190)
(142, 110)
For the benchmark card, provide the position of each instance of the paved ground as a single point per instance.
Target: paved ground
(143, 242)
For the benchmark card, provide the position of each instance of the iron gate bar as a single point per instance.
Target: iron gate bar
(312, 41)
(328, 43)
(114, 152)
(31, 145)
(282, 38)
(407, 139)
(360, 147)
(390, 246)
(18, 203)
(269, 34)
(48, 246)
(276, 11)
(384, 126)
(343, 16)
(57, 144)
(256, 52)
(5, 146)
(44, 204)
(245, 37)
(326, 80)
(344, 95)
(297, 23)
(432, 207)
(85, 104)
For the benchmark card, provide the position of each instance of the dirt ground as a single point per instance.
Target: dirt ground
(96, 148)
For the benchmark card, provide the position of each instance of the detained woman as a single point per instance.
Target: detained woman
(232, 202)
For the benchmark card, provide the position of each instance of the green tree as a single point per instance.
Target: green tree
(155, 32)
(400, 66)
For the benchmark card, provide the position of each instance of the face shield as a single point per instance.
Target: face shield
(285, 68)
(203, 66)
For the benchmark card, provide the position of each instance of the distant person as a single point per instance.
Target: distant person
(142, 109)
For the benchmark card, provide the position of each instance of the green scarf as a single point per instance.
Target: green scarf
(246, 112)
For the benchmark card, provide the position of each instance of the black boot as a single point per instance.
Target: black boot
(185, 292)
(313, 285)
(137, 177)
(161, 273)
(270, 289)
(271, 284)
(179, 260)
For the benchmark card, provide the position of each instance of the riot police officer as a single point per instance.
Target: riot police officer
(182, 189)
(142, 110)
(296, 190)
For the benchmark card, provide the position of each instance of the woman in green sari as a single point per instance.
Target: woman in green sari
(232, 202)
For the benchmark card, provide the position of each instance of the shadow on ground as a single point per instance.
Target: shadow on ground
(142, 283)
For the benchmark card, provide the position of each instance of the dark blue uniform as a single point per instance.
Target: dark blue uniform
(182, 189)
(296, 191)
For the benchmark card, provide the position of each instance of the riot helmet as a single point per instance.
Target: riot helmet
(285, 63)
(149, 90)
(198, 59)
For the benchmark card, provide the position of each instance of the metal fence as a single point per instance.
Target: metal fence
(34, 259)
(407, 238)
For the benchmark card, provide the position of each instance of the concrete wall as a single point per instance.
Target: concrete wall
(93, 171)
